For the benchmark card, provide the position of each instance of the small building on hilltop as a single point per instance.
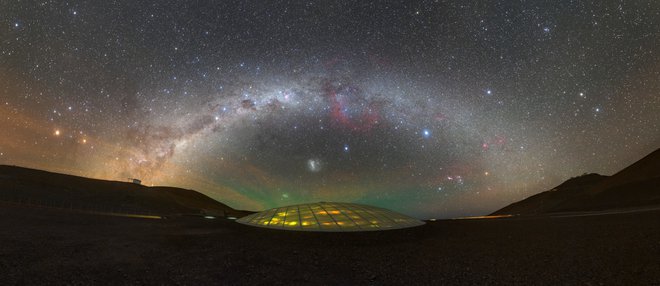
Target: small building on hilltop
(135, 181)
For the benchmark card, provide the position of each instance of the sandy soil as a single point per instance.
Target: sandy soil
(42, 246)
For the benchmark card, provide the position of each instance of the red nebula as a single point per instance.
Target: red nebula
(348, 108)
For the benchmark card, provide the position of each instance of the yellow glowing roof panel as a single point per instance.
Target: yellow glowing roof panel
(332, 217)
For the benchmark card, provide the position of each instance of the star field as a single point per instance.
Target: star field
(430, 108)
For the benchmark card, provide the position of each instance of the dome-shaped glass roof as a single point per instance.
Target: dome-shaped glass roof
(326, 216)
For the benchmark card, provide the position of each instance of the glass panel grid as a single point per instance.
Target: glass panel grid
(326, 216)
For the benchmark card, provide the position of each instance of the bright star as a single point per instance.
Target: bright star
(426, 133)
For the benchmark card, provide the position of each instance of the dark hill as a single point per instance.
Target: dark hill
(551, 200)
(30, 186)
(637, 185)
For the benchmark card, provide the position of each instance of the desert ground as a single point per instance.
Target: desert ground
(50, 246)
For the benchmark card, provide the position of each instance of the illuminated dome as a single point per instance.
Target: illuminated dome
(326, 216)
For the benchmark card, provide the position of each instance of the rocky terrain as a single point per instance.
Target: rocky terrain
(48, 246)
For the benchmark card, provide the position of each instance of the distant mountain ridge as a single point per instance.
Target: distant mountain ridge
(19, 184)
(635, 186)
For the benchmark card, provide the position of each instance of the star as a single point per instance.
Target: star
(426, 133)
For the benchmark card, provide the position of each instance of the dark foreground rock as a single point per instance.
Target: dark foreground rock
(46, 246)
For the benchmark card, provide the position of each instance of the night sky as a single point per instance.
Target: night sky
(432, 108)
